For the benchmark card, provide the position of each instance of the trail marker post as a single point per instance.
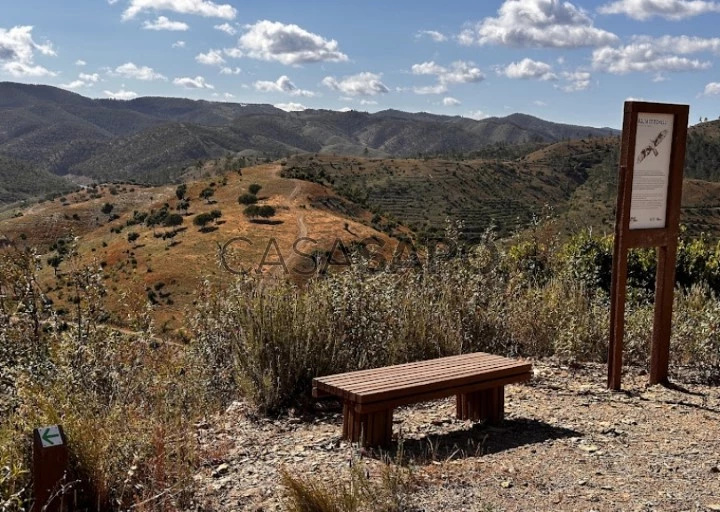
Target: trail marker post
(50, 465)
(652, 158)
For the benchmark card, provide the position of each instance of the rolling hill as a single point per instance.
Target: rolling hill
(155, 140)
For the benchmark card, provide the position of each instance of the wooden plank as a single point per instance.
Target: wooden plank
(488, 369)
(342, 380)
(417, 364)
(353, 390)
(440, 393)
(414, 388)
(423, 371)
(427, 375)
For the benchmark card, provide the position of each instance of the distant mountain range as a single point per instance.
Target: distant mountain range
(51, 131)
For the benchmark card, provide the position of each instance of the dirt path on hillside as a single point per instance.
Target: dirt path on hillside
(567, 444)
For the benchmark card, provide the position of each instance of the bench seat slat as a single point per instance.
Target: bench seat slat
(407, 379)
(348, 380)
(483, 371)
(413, 388)
(360, 374)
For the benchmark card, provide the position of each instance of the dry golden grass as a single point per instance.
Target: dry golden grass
(135, 269)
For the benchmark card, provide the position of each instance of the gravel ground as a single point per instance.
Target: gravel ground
(567, 444)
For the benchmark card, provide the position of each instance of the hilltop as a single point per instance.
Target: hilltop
(164, 262)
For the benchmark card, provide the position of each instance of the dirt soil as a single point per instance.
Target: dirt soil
(567, 444)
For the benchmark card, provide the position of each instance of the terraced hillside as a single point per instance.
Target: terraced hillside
(422, 194)
(509, 184)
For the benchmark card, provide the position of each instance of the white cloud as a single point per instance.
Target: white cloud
(17, 52)
(230, 71)
(84, 80)
(122, 94)
(450, 102)
(227, 28)
(162, 23)
(539, 103)
(282, 84)
(431, 89)
(577, 81)
(681, 44)
(345, 109)
(193, 83)
(436, 36)
(89, 78)
(647, 56)
(80, 62)
(75, 84)
(228, 95)
(290, 107)
(130, 70)
(538, 23)
(459, 72)
(669, 9)
(178, 44)
(362, 84)
(528, 69)
(712, 89)
(211, 58)
(200, 7)
(477, 115)
(287, 44)
(235, 53)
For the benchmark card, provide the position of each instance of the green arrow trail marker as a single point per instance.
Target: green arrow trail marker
(50, 436)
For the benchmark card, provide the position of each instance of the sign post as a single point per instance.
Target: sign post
(652, 158)
(50, 464)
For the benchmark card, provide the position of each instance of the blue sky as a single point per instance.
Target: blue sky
(574, 62)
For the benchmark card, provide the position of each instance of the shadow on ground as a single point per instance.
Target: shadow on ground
(476, 441)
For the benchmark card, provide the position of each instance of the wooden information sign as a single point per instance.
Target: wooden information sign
(652, 158)
(50, 465)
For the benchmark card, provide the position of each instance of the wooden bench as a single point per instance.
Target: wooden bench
(369, 396)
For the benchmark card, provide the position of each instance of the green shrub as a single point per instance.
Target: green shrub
(247, 199)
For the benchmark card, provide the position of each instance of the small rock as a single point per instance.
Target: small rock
(506, 484)
(221, 470)
(715, 469)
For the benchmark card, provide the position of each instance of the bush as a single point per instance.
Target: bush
(247, 199)
(254, 189)
(127, 403)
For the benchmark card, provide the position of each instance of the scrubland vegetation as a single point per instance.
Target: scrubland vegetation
(129, 400)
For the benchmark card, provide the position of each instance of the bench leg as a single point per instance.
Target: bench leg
(488, 404)
(375, 429)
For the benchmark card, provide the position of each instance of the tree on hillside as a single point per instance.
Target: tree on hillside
(54, 261)
(207, 193)
(173, 220)
(184, 205)
(254, 189)
(132, 237)
(180, 191)
(253, 211)
(107, 208)
(247, 199)
(202, 220)
(156, 218)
